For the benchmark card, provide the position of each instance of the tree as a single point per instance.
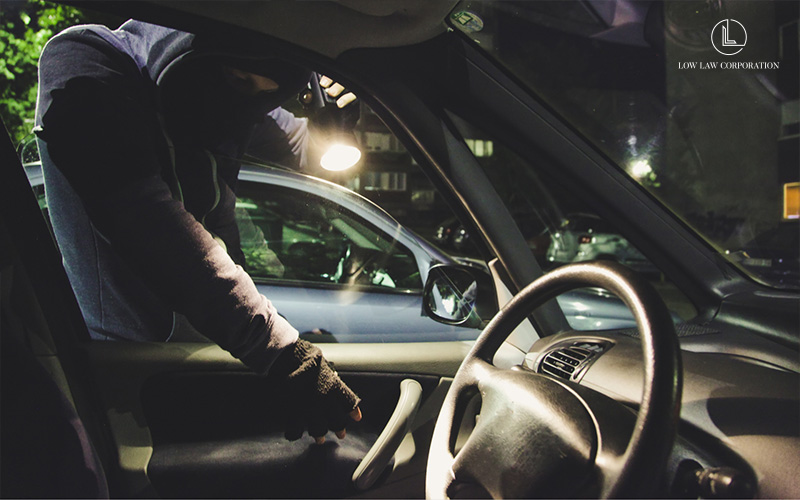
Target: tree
(25, 27)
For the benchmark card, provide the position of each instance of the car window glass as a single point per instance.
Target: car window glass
(293, 235)
(663, 90)
(561, 228)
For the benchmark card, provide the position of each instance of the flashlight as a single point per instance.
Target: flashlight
(334, 113)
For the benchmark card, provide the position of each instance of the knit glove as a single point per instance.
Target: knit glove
(313, 397)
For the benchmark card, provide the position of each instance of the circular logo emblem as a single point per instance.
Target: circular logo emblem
(729, 37)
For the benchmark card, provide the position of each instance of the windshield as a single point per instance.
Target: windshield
(697, 101)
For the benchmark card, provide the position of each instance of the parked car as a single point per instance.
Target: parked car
(584, 237)
(597, 100)
(772, 254)
(451, 234)
(443, 234)
(331, 260)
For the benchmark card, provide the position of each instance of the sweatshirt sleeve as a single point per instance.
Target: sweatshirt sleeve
(97, 117)
(281, 138)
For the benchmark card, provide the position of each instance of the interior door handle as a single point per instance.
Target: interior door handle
(378, 457)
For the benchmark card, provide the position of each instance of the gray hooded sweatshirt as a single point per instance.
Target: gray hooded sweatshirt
(139, 137)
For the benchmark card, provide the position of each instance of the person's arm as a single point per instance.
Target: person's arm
(299, 143)
(281, 138)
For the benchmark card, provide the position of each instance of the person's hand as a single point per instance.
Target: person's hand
(336, 91)
(341, 109)
(314, 398)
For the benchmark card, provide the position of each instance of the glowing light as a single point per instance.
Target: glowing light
(641, 168)
(581, 307)
(449, 304)
(340, 157)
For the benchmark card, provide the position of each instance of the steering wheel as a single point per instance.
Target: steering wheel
(357, 264)
(538, 436)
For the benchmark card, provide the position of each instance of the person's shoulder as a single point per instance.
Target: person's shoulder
(80, 42)
(89, 50)
(86, 34)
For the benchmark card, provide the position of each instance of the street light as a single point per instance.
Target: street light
(641, 168)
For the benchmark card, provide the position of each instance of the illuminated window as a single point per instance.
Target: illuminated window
(384, 181)
(381, 142)
(480, 147)
(791, 200)
(423, 198)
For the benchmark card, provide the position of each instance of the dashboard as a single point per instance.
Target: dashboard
(739, 434)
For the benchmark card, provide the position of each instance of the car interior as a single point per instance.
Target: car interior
(700, 400)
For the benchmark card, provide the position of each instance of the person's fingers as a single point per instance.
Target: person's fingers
(355, 415)
(294, 431)
(317, 426)
(320, 440)
(345, 100)
(335, 89)
(337, 419)
(292, 423)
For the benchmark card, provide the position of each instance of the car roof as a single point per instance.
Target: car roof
(329, 27)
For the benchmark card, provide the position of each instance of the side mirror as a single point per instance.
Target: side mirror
(459, 295)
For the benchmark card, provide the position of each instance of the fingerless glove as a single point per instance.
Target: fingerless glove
(313, 397)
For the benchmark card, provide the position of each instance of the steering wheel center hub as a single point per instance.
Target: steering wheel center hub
(534, 434)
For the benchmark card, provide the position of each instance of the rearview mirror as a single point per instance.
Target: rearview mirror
(459, 295)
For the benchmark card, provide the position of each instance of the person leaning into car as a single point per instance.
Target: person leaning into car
(140, 130)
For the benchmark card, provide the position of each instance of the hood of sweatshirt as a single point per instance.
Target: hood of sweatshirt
(188, 74)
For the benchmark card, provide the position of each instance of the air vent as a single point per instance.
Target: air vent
(568, 362)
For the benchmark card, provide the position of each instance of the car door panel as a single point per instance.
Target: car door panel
(220, 434)
(188, 419)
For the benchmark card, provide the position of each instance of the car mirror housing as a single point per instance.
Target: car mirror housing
(459, 295)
